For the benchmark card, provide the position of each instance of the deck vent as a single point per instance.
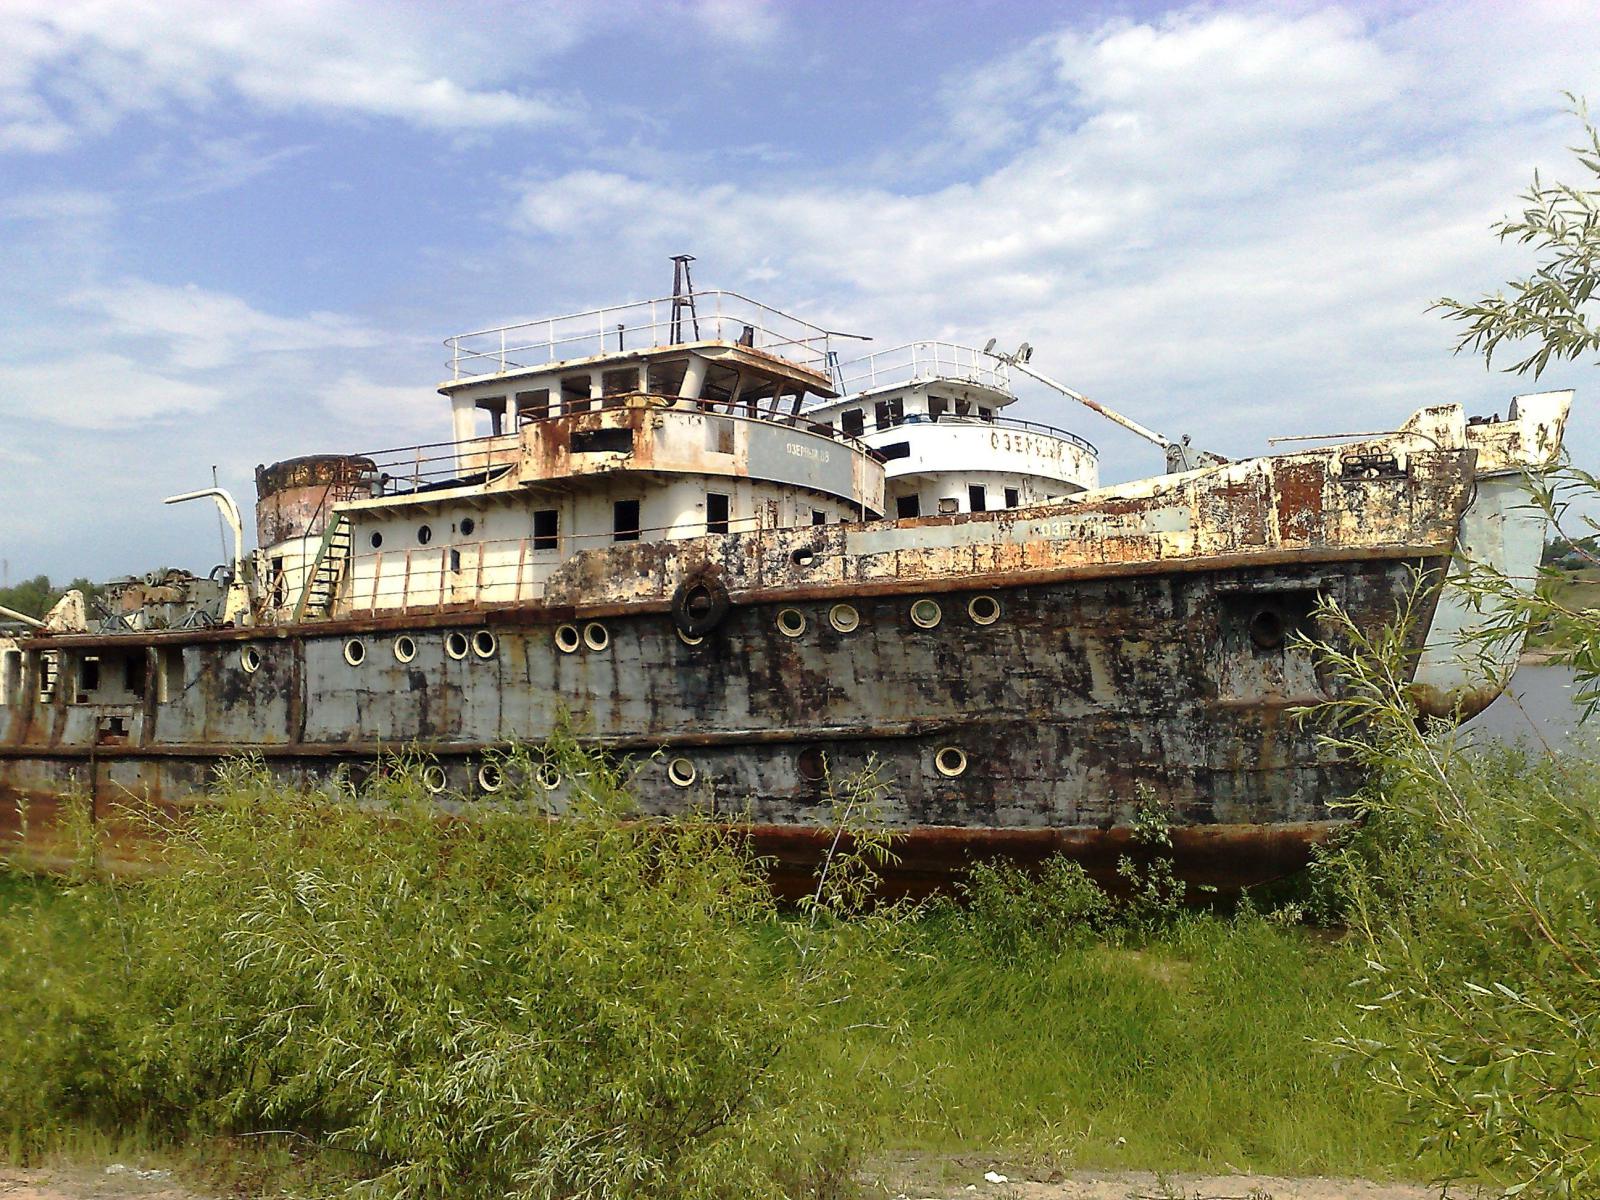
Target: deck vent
(844, 618)
(926, 613)
(568, 639)
(355, 652)
(681, 771)
(456, 645)
(791, 622)
(596, 636)
(405, 648)
(484, 643)
(984, 610)
(250, 660)
(950, 761)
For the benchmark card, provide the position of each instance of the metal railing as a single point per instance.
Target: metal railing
(1000, 422)
(924, 362)
(717, 316)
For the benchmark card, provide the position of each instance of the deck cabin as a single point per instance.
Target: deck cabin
(672, 418)
(935, 412)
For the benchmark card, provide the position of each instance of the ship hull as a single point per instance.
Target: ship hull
(1071, 706)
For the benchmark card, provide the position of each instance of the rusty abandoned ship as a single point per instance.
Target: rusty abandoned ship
(686, 523)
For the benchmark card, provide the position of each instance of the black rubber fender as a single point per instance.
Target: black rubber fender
(700, 603)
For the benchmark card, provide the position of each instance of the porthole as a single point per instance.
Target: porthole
(484, 643)
(950, 761)
(568, 639)
(376, 539)
(547, 777)
(844, 618)
(467, 526)
(984, 610)
(681, 771)
(596, 636)
(791, 622)
(1267, 630)
(250, 660)
(811, 764)
(355, 651)
(405, 648)
(490, 778)
(688, 639)
(926, 613)
(456, 645)
(424, 535)
(433, 778)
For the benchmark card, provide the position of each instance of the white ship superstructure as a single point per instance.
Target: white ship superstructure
(935, 412)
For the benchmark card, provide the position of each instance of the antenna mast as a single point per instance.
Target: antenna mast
(683, 297)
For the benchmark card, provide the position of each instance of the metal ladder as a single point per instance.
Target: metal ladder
(327, 570)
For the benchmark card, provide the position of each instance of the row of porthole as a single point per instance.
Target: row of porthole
(457, 644)
(926, 613)
(949, 761)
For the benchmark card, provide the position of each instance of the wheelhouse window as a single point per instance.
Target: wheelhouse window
(575, 393)
(546, 529)
(852, 423)
(625, 521)
(716, 512)
(533, 406)
(977, 498)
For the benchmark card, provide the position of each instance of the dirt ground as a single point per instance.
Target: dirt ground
(118, 1181)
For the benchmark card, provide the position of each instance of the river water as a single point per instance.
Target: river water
(1539, 708)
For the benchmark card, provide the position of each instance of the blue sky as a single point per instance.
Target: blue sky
(231, 234)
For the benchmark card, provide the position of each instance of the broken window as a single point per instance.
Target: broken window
(621, 382)
(665, 378)
(625, 521)
(575, 393)
(602, 441)
(134, 668)
(716, 512)
(48, 663)
(818, 517)
(533, 406)
(88, 676)
(937, 406)
(985, 414)
(894, 450)
(546, 529)
(906, 507)
(963, 408)
(977, 497)
(852, 423)
(169, 673)
(1013, 497)
(890, 412)
(10, 676)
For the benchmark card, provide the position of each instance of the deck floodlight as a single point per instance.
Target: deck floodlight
(1024, 353)
(988, 347)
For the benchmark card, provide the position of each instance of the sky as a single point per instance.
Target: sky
(232, 234)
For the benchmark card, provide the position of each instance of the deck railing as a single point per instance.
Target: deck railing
(668, 321)
(923, 362)
(998, 422)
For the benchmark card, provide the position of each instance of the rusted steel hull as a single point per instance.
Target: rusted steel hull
(1025, 681)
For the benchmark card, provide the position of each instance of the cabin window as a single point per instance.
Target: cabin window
(455, 562)
(134, 669)
(937, 406)
(890, 412)
(894, 450)
(533, 406)
(664, 378)
(825, 427)
(963, 408)
(424, 535)
(852, 422)
(49, 665)
(575, 393)
(1013, 497)
(495, 406)
(602, 441)
(906, 507)
(468, 526)
(986, 414)
(169, 673)
(546, 529)
(10, 676)
(818, 517)
(619, 383)
(88, 677)
(716, 512)
(977, 498)
(625, 521)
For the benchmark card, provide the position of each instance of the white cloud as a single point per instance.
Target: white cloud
(99, 391)
(73, 68)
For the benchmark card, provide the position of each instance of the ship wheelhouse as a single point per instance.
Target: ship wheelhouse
(668, 419)
(934, 412)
